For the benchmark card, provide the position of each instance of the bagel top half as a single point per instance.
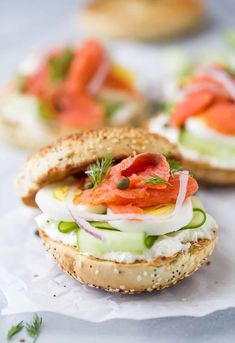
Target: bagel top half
(72, 154)
(141, 19)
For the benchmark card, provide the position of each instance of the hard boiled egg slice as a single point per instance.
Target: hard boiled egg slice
(161, 226)
(52, 201)
(199, 127)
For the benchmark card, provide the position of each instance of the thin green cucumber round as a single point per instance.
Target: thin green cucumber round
(199, 218)
(66, 227)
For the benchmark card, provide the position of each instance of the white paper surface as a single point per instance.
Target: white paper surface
(31, 281)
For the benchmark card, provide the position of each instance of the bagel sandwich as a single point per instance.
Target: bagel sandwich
(118, 212)
(199, 117)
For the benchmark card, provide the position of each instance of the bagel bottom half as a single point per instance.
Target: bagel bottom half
(36, 136)
(203, 171)
(129, 278)
(17, 135)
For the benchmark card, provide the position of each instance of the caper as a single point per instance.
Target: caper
(123, 183)
(88, 185)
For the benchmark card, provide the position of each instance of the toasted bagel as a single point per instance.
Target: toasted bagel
(205, 172)
(32, 138)
(129, 278)
(141, 19)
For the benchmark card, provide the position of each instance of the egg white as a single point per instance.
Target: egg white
(58, 210)
(20, 108)
(160, 125)
(160, 227)
(199, 127)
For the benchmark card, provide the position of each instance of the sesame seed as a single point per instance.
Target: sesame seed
(145, 273)
(97, 272)
(139, 278)
(152, 275)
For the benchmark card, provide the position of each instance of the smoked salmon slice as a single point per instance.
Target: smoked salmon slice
(84, 66)
(81, 112)
(69, 96)
(142, 165)
(221, 117)
(194, 104)
(140, 194)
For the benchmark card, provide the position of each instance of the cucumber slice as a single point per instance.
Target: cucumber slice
(102, 225)
(113, 241)
(66, 227)
(196, 202)
(206, 147)
(199, 218)
(150, 240)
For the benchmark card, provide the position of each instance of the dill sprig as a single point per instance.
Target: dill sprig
(174, 166)
(59, 65)
(156, 180)
(99, 170)
(34, 328)
(14, 330)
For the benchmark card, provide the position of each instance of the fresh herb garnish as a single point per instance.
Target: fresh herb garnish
(168, 107)
(34, 328)
(14, 330)
(111, 107)
(156, 180)
(59, 65)
(99, 170)
(44, 111)
(174, 166)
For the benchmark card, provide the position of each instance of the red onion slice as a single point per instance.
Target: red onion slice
(99, 77)
(223, 78)
(184, 176)
(83, 224)
(140, 217)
